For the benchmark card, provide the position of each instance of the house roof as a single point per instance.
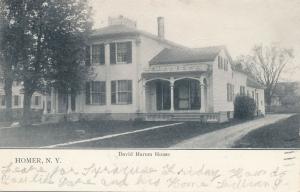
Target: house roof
(112, 30)
(253, 83)
(186, 55)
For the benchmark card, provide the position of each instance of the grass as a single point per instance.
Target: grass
(283, 134)
(43, 135)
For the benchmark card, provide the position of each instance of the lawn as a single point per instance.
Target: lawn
(283, 134)
(44, 135)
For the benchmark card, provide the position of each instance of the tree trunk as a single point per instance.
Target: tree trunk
(268, 100)
(27, 107)
(8, 100)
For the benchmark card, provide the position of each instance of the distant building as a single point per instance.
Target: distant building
(286, 93)
(17, 98)
(141, 75)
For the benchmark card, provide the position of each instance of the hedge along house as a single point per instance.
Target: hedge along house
(141, 75)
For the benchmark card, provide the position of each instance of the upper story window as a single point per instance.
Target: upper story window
(121, 53)
(121, 92)
(226, 65)
(220, 62)
(223, 63)
(230, 92)
(96, 92)
(98, 55)
(87, 55)
(242, 90)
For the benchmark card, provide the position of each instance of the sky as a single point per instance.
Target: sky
(238, 24)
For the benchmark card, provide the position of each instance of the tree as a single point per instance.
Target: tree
(51, 38)
(266, 65)
(8, 57)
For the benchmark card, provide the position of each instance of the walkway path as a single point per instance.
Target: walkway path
(225, 138)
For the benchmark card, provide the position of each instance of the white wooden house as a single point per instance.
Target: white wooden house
(141, 75)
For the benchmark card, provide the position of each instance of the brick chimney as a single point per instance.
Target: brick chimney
(160, 27)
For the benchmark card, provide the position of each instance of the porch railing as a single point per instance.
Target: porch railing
(202, 117)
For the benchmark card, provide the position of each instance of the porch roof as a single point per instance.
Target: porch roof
(186, 55)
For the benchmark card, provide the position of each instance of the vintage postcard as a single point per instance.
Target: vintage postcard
(149, 95)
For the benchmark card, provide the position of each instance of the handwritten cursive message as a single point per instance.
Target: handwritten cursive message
(165, 176)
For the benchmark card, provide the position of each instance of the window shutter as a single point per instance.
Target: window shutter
(129, 52)
(112, 47)
(113, 92)
(228, 89)
(102, 54)
(87, 93)
(87, 56)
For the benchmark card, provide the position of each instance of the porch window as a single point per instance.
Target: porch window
(121, 53)
(163, 97)
(230, 92)
(121, 92)
(96, 93)
(98, 54)
(2, 98)
(187, 95)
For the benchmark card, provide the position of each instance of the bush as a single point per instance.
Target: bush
(244, 107)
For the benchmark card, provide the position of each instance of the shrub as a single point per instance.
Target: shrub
(244, 107)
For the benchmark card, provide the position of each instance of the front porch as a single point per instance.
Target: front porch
(176, 94)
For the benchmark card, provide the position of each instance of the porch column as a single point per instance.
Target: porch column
(202, 109)
(69, 104)
(144, 96)
(53, 106)
(45, 105)
(172, 94)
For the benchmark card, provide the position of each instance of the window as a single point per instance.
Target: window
(121, 92)
(121, 53)
(242, 90)
(226, 65)
(98, 55)
(2, 98)
(223, 63)
(16, 100)
(220, 62)
(230, 92)
(36, 100)
(96, 92)
(87, 56)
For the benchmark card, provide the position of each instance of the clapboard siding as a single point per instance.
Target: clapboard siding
(220, 80)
